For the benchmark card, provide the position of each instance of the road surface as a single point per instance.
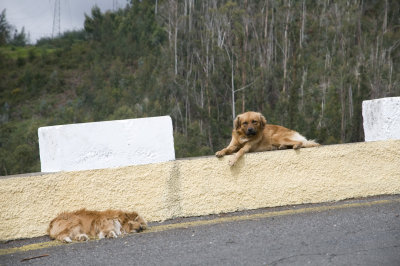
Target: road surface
(353, 232)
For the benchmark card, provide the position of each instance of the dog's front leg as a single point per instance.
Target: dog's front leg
(239, 154)
(232, 147)
(226, 151)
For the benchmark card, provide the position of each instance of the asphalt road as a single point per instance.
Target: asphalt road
(355, 232)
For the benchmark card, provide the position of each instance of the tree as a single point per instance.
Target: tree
(19, 38)
(5, 29)
(306, 65)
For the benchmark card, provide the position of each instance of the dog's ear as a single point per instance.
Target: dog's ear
(263, 121)
(237, 122)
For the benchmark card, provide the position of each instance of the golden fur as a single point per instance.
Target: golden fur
(82, 224)
(252, 133)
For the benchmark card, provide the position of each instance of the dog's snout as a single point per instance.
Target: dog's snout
(251, 131)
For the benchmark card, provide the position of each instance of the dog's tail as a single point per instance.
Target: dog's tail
(304, 142)
(310, 143)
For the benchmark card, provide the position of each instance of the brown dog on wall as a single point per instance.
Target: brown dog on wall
(82, 224)
(252, 133)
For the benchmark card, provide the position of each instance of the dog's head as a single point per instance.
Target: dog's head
(250, 123)
(133, 222)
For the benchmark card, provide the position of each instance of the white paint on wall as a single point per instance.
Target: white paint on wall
(106, 144)
(381, 119)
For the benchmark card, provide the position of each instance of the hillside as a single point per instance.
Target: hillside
(306, 65)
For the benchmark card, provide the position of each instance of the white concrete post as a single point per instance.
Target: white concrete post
(381, 119)
(106, 144)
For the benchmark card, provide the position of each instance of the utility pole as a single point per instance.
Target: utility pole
(56, 20)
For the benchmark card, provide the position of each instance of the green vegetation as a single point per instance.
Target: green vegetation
(307, 65)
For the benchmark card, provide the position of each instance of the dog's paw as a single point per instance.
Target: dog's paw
(296, 147)
(243, 140)
(112, 234)
(82, 237)
(67, 239)
(232, 162)
(219, 154)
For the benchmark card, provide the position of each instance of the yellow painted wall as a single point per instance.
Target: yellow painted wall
(201, 186)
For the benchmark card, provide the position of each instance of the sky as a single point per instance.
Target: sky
(37, 15)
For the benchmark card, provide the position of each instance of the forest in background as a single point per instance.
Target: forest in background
(306, 65)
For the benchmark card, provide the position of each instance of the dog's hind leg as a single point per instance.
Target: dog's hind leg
(117, 227)
(290, 142)
(294, 140)
(111, 228)
(101, 235)
(299, 141)
(64, 236)
(77, 234)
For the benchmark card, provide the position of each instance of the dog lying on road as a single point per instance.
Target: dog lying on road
(251, 133)
(83, 224)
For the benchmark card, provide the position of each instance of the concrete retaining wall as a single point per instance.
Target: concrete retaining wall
(203, 186)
